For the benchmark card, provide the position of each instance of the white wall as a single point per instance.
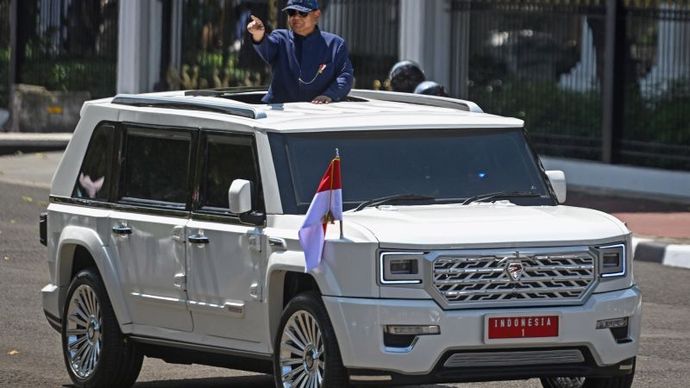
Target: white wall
(424, 37)
(139, 42)
(634, 180)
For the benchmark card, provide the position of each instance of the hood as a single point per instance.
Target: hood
(491, 224)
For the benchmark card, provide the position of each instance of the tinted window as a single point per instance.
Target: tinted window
(448, 165)
(95, 176)
(228, 158)
(157, 165)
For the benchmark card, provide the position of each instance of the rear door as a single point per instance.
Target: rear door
(226, 259)
(148, 224)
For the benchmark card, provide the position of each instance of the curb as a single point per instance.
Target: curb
(23, 139)
(669, 254)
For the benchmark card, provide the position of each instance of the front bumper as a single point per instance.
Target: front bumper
(51, 305)
(358, 324)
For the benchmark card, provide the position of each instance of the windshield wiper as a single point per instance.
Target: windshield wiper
(393, 199)
(500, 194)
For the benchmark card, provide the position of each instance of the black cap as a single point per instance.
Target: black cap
(431, 88)
(405, 76)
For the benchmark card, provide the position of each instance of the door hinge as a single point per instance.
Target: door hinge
(255, 291)
(178, 233)
(255, 241)
(180, 280)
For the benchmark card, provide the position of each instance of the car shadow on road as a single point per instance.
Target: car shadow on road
(261, 381)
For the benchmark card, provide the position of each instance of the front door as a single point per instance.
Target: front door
(226, 259)
(148, 225)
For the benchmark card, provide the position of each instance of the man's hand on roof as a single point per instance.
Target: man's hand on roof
(322, 100)
(256, 28)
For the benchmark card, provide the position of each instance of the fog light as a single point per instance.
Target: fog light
(412, 329)
(612, 323)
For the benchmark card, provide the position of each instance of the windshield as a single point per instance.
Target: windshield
(447, 165)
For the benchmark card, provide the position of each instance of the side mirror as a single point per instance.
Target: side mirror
(557, 179)
(240, 196)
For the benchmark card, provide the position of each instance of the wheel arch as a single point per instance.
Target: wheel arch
(81, 248)
(283, 285)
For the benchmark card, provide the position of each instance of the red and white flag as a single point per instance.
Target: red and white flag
(326, 207)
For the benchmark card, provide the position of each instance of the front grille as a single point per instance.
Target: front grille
(514, 358)
(544, 278)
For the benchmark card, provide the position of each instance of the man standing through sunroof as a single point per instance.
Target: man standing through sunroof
(307, 63)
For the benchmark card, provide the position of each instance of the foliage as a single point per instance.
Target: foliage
(94, 75)
(567, 123)
(553, 117)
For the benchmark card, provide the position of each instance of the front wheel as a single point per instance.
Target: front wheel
(95, 351)
(306, 352)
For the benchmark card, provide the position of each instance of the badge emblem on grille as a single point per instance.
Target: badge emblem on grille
(515, 270)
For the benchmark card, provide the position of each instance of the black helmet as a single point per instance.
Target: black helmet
(431, 88)
(405, 76)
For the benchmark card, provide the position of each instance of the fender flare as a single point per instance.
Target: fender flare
(74, 236)
(279, 264)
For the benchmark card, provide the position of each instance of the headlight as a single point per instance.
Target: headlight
(400, 267)
(612, 260)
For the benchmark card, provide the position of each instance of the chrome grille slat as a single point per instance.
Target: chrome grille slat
(523, 280)
(561, 267)
(514, 358)
(548, 276)
(503, 291)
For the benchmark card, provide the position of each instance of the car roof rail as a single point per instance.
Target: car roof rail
(418, 99)
(216, 105)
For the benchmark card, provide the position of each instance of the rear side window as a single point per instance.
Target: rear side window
(95, 176)
(156, 166)
(228, 157)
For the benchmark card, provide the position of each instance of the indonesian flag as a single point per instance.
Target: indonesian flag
(326, 207)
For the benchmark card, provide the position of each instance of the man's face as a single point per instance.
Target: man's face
(304, 25)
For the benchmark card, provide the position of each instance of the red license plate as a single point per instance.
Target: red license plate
(523, 327)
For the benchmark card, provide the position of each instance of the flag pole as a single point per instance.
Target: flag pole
(337, 155)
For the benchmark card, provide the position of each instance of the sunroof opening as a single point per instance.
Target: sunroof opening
(246, 96)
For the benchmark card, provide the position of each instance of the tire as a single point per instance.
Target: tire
(95, 351)
(590, 382)
(306, 338)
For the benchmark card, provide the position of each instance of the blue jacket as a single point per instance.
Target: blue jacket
(292, 82)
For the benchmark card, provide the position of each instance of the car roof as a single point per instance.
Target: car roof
(363, 110)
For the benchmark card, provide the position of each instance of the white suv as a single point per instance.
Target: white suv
(456, 261)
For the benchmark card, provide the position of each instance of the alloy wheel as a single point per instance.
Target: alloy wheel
(302, 356)
(84, 334)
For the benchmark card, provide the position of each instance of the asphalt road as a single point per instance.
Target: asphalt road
(30, 350)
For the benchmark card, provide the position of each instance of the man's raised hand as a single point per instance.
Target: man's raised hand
(256, 28)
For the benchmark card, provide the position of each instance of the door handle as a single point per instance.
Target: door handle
(198, 239)
(122, 230)
(277, 243)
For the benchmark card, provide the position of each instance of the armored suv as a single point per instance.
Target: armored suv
(172, 232)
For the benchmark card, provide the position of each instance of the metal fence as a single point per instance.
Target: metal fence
(656, 129)
(4, 52)
(68, 45)
(371, 29)
(544, 61)
(216, 52)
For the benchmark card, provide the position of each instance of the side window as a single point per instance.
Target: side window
(95, 176)
(156, 166)
(228, 157)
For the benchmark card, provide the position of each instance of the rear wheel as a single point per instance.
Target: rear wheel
(589, 382)
(306, 352)
(95, 351)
